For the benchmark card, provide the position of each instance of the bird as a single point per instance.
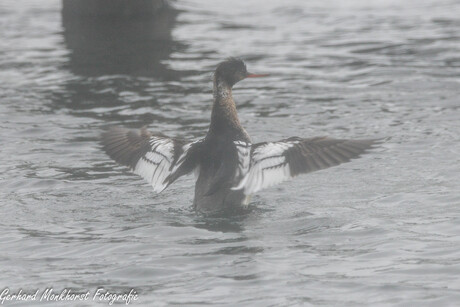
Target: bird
(228, 166)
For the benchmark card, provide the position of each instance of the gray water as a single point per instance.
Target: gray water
(382, 230)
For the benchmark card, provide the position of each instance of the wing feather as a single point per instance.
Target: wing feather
(271, 163)
(155, 157)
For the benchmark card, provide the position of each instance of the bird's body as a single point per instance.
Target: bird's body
(229, 167)
(213, 189)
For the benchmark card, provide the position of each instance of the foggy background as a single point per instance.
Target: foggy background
(382, 230)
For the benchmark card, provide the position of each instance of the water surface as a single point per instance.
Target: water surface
(382, 230)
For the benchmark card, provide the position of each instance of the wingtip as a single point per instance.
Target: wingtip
(378, 141)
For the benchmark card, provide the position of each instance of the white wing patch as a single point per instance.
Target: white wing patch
(156, 164)
(267, 166)
(244, 158)
(182, 157)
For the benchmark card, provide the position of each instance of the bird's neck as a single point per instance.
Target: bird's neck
(224, 116)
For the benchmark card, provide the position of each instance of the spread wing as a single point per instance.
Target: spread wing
(157, 158)
(265, 164)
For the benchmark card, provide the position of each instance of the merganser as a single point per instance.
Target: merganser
(229, 167)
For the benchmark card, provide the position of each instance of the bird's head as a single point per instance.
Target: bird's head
(234, 70)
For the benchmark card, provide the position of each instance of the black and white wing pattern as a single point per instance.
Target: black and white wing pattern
(155, 157)
(265, 164)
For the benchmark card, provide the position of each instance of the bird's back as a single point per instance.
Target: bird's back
(217, 170)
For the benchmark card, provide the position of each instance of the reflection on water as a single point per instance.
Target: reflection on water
(117, 48)
(118, 43)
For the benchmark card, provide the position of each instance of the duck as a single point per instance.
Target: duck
(228, 166)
